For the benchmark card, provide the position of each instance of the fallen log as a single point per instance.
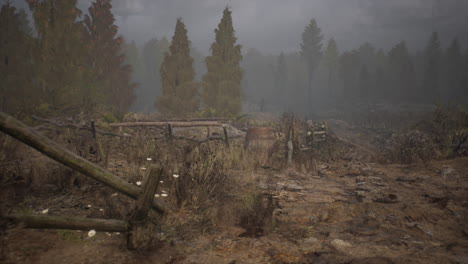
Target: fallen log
(72, 223)
(20, 131)
(165, 124)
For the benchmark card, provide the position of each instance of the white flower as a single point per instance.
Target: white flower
(89, 206)
(175, 175)
(161, 181)
(138, 183)
(156, 195)
(164, 195)
(101, 210)
(148, 159)
(114, 194)
(163, 191)
(118, 233)
(91, 233)
(45, 211)
(142, 168)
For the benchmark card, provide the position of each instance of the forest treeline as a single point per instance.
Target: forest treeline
(67, 63)
(322, 76)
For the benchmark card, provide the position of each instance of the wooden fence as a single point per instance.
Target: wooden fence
(137, 223)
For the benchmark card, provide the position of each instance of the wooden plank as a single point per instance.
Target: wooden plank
(226, 138)
(139, 235)
(20, 131)
(72, 223)
(165, 124)
(150, 185)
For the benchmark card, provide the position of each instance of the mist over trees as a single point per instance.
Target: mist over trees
(366, 75)
(64, 62)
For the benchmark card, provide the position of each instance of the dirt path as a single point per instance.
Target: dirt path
(352, 213)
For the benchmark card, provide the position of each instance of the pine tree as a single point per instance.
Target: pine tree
(364, 82)
(402, 73)
(106, 60)
(431, 79)
(222, 82)
(463, 93)
(453, 73)
(281, 80)
(331, 61)
(16, 72)
(179, 95)
(311, 51)
(348, 73)
(59, 55)
(380, 76)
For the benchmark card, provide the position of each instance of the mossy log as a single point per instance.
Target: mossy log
(73, 223)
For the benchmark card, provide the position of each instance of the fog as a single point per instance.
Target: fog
(366, 31)
(273, 26)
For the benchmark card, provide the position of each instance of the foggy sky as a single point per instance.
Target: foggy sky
(272, 26)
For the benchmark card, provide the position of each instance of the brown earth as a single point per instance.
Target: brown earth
(342, 211)
(352, 213)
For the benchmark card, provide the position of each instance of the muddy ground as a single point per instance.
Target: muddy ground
(344, 211)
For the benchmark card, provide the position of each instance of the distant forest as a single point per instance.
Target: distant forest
(66, 63)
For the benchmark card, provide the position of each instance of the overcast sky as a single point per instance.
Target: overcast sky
(272, 26)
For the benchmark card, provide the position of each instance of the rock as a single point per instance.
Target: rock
(448, 171)
(324, 216)
(310, 241)
(294, 187)
(340, 244)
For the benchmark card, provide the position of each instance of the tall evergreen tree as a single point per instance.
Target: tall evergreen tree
(431, 79)
(311, 51)
(16, 72)
(464, 87)
(222, 81)
(179, 90)
(380, 75)
(364, 82)
(331, 62)
(402, 73)
(453, 71)
(281, 80)
(59, 55)
(348, 73)
(106, 60)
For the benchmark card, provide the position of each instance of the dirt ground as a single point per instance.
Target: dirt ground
(349, 211)
(352, 213)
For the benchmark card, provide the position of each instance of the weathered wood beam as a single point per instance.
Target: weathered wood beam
(73, 223)
(143, 204)
(165, 124)
(139, 234)
(20, 131)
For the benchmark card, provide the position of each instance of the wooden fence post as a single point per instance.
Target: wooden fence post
(139, 235)
(169, 130)
(226, 139)
(23, 133)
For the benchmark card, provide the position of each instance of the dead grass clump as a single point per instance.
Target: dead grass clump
(442, 134)
(410, 147)
(256, 213)
(201, 177)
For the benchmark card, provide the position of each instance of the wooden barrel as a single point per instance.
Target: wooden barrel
(261, 138)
